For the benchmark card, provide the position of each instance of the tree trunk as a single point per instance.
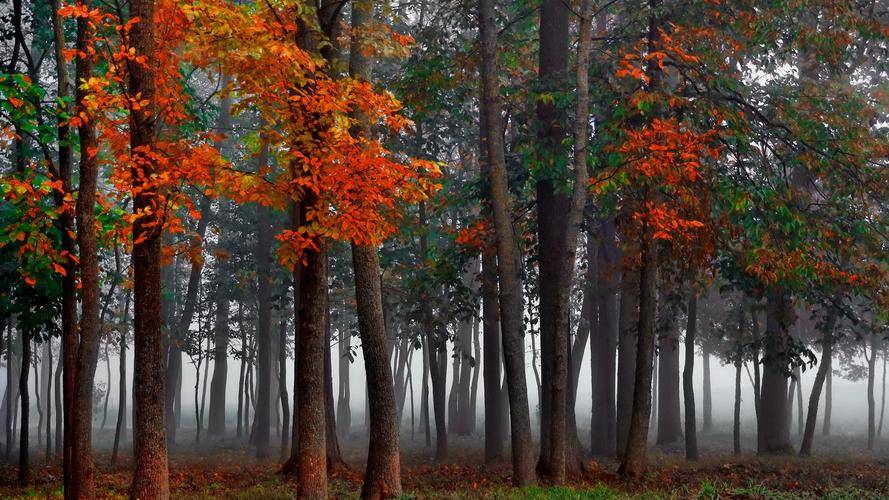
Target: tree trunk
(263, 335)
(312, 351)
(799, 401)
(669, 417)
(334, 457)
(707, 396)
(68, 348)
(871, 400)
(343, 411)
(736, 426)
(628, 324)
(602, 345)
(151, 478)
(216, 417)
(82, 480)
(495, 434)
(633, 461)
(510, 288)
(882, 398)
(24, 465)
(107, 388)
(382, 475)
(828, 400)
(772, 423)
(48, 395)
(282, 385)
(823, 370)
(688, 387)
(120, 427)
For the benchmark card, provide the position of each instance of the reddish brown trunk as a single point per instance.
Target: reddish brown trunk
(151, 477)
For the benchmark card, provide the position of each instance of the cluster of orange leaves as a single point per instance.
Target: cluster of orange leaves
(475, 237)
(356, 186)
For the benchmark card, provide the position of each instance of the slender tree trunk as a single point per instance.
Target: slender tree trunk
(603, 344)
(828, 400)
(688, 387)
(107, 388)
(509, 284)
(68, 348)
(871, 400)
(799, 401)
(24, 464)
(669, 417)
(242, 372)
(823, 370)
(204, 386)
(82, 484)
(628, 324)
(120, 428)
(494, 433)
(48, 396)
(282, 386)
(334, 457)
(882, 398)
(633, 461)
(736, 427)
(151, 477)
(707, 396)
(382, 475)
(263, 335)
(343, 412)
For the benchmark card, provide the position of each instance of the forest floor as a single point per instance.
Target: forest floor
(226, 470)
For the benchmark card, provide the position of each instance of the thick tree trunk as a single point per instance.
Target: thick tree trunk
(823, 370)
(552, 210)
(216, 418)
(151, 477)
(311, 403)
(688, 387)
(509, 284)
(603, 344)
(707, 396)
(772, 423)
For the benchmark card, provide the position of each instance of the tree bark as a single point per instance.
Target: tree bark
(688, 387)
(121, 426)
(24, 473)
(216, 417)
(507, 258)
(628, 325)
(495, 434)
(633, 461)
(871, 383)
(736, 426)
(603, 344)
(263, 335)
(669, 417)
(772, 423)
(82, 480)
(282, 385)
(828, 400)
(151, 477)
(311, 403)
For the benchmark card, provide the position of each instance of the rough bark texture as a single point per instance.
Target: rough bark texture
(310, 407)
(382, 475)
(772, 423)
(603, 342)
(151, 476)
(507, 258)
(552, 209)
(688, 387)
(82, 480)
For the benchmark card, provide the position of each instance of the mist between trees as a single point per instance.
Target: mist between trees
(359, 236)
